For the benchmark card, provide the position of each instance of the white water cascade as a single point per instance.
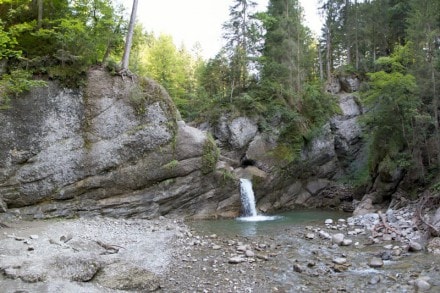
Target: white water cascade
(248, 203)
(247, 198)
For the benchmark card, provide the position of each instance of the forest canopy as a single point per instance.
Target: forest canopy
(271, 66)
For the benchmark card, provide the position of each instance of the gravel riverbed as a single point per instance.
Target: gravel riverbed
(168, 255)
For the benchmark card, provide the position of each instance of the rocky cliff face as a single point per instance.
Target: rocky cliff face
(313, 180)
(114, 148)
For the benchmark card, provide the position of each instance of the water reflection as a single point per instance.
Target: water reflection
(264, 224)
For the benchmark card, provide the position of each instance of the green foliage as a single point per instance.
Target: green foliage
(71, 36)
(171, 165)
(15, 83)
(138, 98)
(210, 155)
(393, 102)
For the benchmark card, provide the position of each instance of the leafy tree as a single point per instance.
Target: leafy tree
(393, 104)
(15, 83)
(424, 31)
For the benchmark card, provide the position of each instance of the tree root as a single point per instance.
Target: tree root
(384, 225)
(126, 72)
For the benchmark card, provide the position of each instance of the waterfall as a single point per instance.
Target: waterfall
(247, 198)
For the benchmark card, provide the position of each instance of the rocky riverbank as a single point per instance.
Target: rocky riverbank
(362, 254)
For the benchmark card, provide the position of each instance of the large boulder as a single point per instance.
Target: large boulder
(349, 83)
(236, 133)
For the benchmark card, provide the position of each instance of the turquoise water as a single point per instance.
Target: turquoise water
(264, 225)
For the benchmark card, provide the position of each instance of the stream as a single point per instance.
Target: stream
(287, 254)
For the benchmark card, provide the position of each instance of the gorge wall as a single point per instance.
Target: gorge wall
(114, 148)
(118, 148)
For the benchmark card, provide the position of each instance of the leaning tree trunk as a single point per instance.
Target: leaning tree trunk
(128, 41)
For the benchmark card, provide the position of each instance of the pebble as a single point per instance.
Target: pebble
(339, 260)
(297, 268)
(328, 222)
(375, 262)
(33, 237)
(346, 242)
(216, 247)
(310, 236)
(324, 235)
(262, 256)
(242, 248)
(236, 260)
(338, 238)
(249, 253)
(375, 280)
(422, 284)
(415, 246)
(387, 237)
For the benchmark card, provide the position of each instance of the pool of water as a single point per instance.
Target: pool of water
(284, 237)
(264, 224)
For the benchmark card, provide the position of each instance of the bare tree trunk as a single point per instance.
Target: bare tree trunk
(357, 35)
(321, 66)
(435, 105)
(40, 13)
(329, 55)
(129, 39)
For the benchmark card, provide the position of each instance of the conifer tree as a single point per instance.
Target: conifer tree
(286, 51)
(241, 35)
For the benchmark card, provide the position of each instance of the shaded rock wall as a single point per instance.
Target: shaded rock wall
(114, 148)
(313, 180)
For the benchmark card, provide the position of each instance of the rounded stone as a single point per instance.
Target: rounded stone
(338, 238)
(375, 262)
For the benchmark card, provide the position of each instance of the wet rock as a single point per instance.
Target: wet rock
(340, 268)
(347, 242)
(396, 251)
(375, 262)
(339, 260)
(328, 222)
(386, 255)
(338, 238)
(422, 284)
(415, 246)
(324, 235)
(375, 279)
